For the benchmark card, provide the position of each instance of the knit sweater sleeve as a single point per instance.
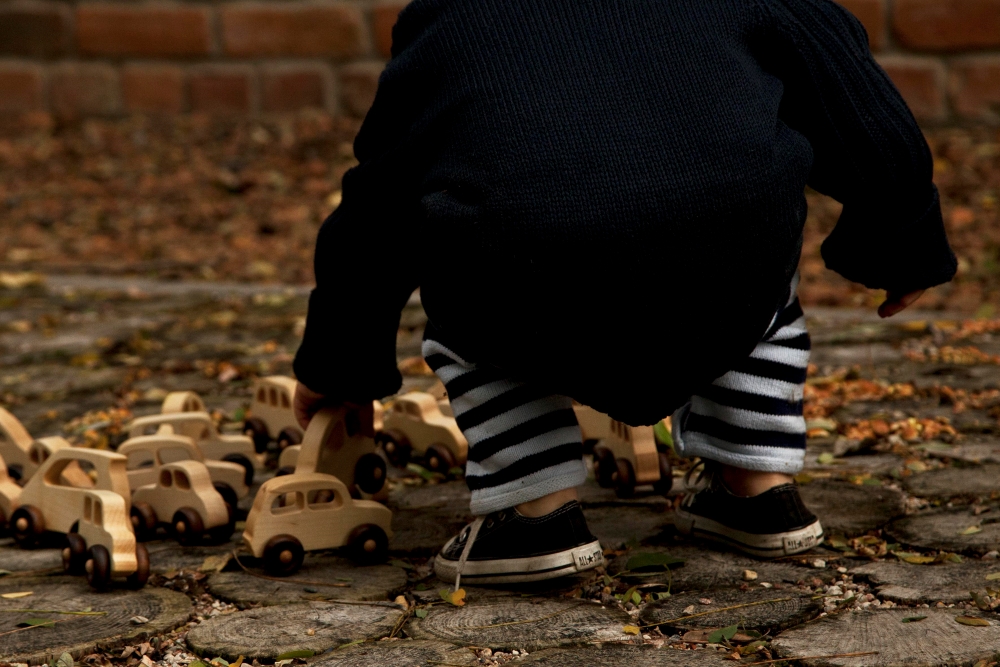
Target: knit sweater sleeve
(868, 152)
(364, 262)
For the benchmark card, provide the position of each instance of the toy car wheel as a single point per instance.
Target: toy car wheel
(666, 480)
(368, 544)
(144, 521)
(187, 526)
(289, 437)
(255, 429)
(397, 447)
(369, 473)
(283, 555)
(284, 470)
(245, 462)
(28, 525)
(228, 497)
(624, 479)
(604, 467)
(138, 579)
(439, 459)
(98, 567)
(74, 554)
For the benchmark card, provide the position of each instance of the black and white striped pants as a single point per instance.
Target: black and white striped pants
(525, 443)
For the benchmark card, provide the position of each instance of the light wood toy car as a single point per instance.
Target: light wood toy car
(625, 456)
(199, 426)
(183, 499)
(10, 494)
(413, 425)
(289, 456)
(15, 441)
(271, 415)
(303, 512)
(147, 453)
(182, 401)
(95, 521)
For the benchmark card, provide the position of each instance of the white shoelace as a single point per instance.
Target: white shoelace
(473, 533)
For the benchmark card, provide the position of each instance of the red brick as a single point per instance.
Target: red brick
(85, 89)
(34, 29)
(975, 87)
(921, 81)
(222, 90)
(947, 25)
(21, 88)
(294, 87)
(293, 29)
(871, 13)
(358, 83)
(152, 30)
(383, 19)
(153, 88)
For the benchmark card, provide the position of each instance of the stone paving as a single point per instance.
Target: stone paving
(902, 467)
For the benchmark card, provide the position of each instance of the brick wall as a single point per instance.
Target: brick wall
(80, 58)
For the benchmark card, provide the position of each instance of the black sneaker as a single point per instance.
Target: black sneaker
(774, 523)
(508, 547)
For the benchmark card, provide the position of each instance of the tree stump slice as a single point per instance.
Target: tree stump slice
(15, 559)
(941, 529)
(772, 610)
(617, 526)
(974, 449)
(952, 482)
(267, 632)
(403, 653)
(617, 655)
(166, 556)
(82, 635)
(849, 509)
(935, 641)
(927, 584)
(322, 577)
(422, 532)
(521, 623)
(704, 569)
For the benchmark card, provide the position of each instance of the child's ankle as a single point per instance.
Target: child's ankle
(748, 483)
(547, 504)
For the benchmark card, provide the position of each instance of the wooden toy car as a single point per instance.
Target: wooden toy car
(271, 415)
(99, 536)
(413, 425)
(182, 401)
(183, 498)
(42, 448)
(199, 426)
(303, 512)
(10, 494)
(15, 441)
(624, 456)
(147, 453)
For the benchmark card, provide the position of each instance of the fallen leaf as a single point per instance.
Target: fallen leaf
(914, 558)
(971, 530)
(825, 458)
(651, 560)
(395, 562)
(721, 634)
(239, 661)
(195, 663)
(301, 653)
(913, 619)
(631, 629)
(973, 620)
(37, 622)
(216, 563)
(456, 598)
(420, 613)
(993, 576)
(14, 596)
(64, 660)
(138, 620)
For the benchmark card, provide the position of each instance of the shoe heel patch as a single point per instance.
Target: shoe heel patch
(799, 543)
(588, 557)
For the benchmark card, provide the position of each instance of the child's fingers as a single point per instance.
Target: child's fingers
(896, 302)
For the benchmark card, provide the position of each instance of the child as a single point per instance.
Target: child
(603, 200)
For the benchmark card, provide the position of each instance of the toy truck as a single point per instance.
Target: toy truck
(182, 401)
(271, 414)
(624, 456)
(95, 521)
(414, 426)
(10, 494)
(200, 427)
(303, 512)
(183, 499)
(15, 441)
(147, 453)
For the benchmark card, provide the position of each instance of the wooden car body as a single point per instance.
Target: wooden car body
(418, 416)
(42, 448)
(272, 404)
(335, 440)
(636, 445)
(315, 508)
(184, 484)
(182, 401)
(289, 457)
(15, 441)
(200, 427)
(147, 453)
(594, 425)
(10, 494)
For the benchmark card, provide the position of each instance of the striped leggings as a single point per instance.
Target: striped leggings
(525, 443)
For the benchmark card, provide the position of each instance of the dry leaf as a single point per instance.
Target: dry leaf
(456, 598)
(631, 629)
(14, 596)
(993, 576)
(216, 563)
(973, 620)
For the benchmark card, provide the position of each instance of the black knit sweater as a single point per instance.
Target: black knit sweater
(606, 196)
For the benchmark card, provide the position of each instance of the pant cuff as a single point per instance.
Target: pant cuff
(566, 475)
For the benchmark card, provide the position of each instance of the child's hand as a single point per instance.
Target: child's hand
(895, 302)
(306, 403)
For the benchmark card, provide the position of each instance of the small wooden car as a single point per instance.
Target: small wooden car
(271, 415)
(10, 495)
(15, 441)
(199, 426)
(184, 499)
(147, 453)
(42, 448)
(303, 512)
(413, 425)
(624, 456)
(95, 520)
(182, 401)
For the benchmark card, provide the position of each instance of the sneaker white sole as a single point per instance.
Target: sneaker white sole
(519, 570)
(764, 546)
